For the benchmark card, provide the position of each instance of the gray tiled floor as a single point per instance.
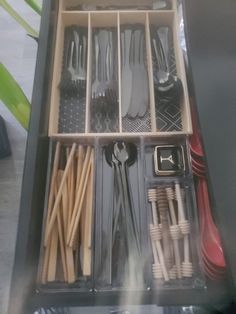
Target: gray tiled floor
(18, 54)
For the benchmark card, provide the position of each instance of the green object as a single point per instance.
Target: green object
(13, 97)
(34, 5)
(18, 18)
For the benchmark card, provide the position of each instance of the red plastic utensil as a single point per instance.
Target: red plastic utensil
(213, 276)
(217, 268)
(195, 141)
(210, 238)
(198, 165)
(212, 268)
(197, 173)
(212, 273)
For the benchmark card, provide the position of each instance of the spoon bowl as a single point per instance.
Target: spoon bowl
(130, 148)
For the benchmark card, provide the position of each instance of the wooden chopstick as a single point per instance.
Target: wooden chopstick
(64, 206)
(52, 195)
(80, 159)
(87, 230)
(79, 198)
(71, 184)
(69, 261)
(59, 194)
(52, 265)
(45, 264)
(75, 185)
(61, 233)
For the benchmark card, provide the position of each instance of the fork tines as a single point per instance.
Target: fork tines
(74, 74)
(104, 87)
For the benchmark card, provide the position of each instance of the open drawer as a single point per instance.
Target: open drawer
(29, 291)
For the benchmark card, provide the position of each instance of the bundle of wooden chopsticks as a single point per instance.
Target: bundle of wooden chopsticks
(169, 233)
(68, 227)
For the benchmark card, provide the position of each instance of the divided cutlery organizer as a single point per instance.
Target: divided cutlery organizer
(87, 257)
(108, 260)
(105, 74)
(108, 94)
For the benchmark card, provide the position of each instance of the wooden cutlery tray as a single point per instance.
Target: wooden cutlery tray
(72, 116)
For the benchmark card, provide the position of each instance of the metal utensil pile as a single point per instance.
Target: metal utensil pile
(74, 74)
(120, 156)
(105, 84)
(168, 87)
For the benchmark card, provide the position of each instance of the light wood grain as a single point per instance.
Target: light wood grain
(61, 233)
(52, 265)
(45, 264)
(80, 160)
(79, 198)
(53, 183)
(72, 189)
(87, 252)
(65, 207)
(81, 195)
(150, 75)
(89, 77)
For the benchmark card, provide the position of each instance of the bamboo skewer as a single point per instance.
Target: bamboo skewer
(79, 198)
(59, 194)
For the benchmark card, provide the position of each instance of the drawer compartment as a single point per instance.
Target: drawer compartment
(123, 91)
(66, 250)
(101, 240)
(89, 286)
